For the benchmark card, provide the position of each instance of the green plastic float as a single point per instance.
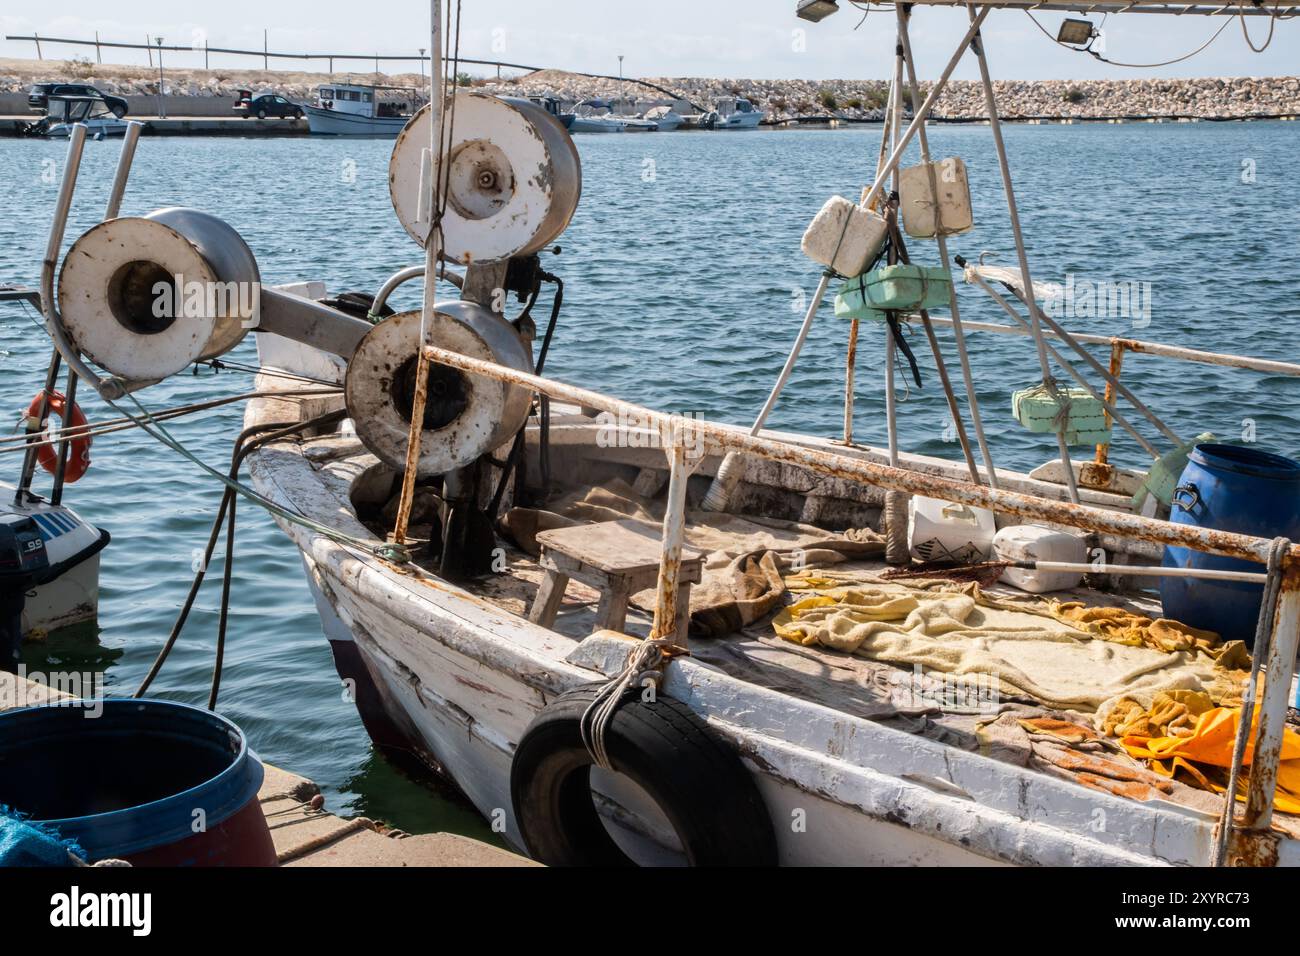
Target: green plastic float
(1163, 477)
(902, 288)
(1038, 411)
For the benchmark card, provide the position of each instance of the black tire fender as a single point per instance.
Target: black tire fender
(698, 781)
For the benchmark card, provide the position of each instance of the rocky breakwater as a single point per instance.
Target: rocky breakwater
(784, 100)
(1206, 98)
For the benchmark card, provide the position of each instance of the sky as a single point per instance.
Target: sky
(720, 38)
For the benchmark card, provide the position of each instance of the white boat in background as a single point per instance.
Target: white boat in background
(737, 113)
(348, 109)
(665, 118)
(596, 124)
(92, 111)
(596, 116)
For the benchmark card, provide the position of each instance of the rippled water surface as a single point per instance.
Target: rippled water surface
(683, 274)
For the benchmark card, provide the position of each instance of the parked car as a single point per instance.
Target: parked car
(266, 104)
(38, 97)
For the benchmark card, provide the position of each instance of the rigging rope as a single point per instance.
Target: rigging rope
(18, 443)
(1272, 23)
(151, 426)
(265, 433)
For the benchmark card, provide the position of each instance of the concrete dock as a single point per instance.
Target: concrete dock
(187, 125)
(305, 834)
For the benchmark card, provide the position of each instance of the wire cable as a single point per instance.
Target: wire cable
(16, 443)
(262, 434)
(1136, 66)
(1272, 23)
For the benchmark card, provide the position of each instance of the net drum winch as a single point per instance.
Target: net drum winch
(146, 297)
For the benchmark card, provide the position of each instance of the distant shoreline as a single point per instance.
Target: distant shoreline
(786, 102)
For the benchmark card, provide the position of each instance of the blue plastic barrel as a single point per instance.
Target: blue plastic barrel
(1228, 488)
(150, 781)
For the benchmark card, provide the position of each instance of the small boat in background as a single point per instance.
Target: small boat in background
(597, 116)
(665, 118)
(737, 113)
(552, 105)
(347, 109)
(95, 112)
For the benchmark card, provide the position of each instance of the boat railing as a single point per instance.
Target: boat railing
(1099, 470)
(1279, 631)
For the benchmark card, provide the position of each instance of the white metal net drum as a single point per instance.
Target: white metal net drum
(145, 297)
(465, 415)
(513, 179)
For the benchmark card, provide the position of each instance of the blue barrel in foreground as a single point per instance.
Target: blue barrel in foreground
(1228, 488)
(153, 782)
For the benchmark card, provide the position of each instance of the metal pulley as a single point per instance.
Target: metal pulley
(465, 416)
(144, 298)
(513, 179)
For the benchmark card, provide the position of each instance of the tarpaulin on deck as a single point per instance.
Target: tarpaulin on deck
(956, 629)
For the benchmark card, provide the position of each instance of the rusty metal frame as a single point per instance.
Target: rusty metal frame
(724, 438)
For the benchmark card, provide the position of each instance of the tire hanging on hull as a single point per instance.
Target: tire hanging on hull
(699, 783)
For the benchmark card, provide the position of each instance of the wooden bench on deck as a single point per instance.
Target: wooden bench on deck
(618, 559)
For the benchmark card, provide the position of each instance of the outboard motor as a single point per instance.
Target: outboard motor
(24, 564)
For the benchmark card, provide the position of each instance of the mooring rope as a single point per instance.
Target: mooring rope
(645, 663)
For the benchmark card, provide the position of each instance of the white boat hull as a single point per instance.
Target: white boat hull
(596, 124)
(98, 127)
(739, 121)
(336, 123)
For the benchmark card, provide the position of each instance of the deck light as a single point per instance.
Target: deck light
(815, 10)
(1076, 32)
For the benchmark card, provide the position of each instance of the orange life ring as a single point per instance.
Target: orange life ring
(79, 453)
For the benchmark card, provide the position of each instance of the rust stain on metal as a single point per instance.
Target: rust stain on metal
(1097, 475)
(1290, 574)
(1253, 847)
(1116, 367)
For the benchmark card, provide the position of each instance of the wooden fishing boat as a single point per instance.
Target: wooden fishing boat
(472, 669)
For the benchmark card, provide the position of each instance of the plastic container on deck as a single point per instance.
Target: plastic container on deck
(153, 782)
(1228, 488)
(1030, 542)
(844, 236)
(944, 531)
(900, 287)
(918, 203)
